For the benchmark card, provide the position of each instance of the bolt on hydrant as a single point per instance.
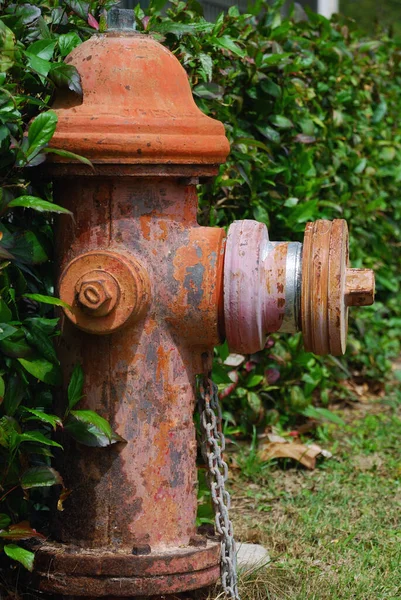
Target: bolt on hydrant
(151, 293)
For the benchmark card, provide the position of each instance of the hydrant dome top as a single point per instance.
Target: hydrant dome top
(137, 107)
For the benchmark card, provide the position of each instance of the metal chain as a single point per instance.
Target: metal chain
(213, 446)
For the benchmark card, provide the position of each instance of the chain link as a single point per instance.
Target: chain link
(213, 446)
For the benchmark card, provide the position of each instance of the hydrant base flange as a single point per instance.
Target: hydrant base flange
(75, 571)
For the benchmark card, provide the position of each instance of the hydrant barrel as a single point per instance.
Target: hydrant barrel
(144, 284)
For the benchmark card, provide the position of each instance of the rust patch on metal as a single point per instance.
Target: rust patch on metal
(359, 287)
(74, 571)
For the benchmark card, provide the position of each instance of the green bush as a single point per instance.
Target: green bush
(311, 110)
(34, 39)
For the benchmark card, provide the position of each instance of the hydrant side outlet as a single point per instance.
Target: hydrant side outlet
(286, 287)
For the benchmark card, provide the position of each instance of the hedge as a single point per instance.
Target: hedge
(311, 109)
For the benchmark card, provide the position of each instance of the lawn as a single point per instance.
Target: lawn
(335, 532)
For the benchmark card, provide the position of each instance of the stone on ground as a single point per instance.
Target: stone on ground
(251, 556)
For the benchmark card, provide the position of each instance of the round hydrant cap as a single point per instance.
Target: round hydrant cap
(137, 107)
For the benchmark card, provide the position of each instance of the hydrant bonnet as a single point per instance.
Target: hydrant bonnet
(155, 120)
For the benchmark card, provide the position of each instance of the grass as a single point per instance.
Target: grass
(333, 533)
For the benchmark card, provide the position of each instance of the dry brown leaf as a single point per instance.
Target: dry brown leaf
(306, 455)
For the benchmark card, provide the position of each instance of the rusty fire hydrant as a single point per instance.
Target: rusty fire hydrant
(151, 293)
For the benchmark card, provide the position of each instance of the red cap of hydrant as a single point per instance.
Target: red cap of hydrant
(137, 107)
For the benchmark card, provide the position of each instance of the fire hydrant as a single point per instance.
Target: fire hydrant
(151, 293)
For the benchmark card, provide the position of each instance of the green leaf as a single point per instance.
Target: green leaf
(67, 42)
(75, 387)
(40, 132)
(270, 133)
(43, 48)
(37, 64)
(42, 476)
(379, 112)
(270, 87)
(323, 414)
(388, 154)
(47, 300)
(27, 13)
(16, 349)
(360, 167)
(179, 29)
(4, 521)
(252, 142)
(14, 393)
(90, 429)
(254, 401)
(52, 420)
(303, 212)
(48, 326)
(254, 380)
(38, 204)
(38, 450)
(92, 418)
(261, 214)
(9, 431)
(28, 248)
(42, 369)
(64, 75)
(39, 340)
(208, 90)
(220, 374)
(4, 138)
(7, 48)
(37, 437)
(227, 43)
(281, 122)
(5, 312)
(291, 202)
(207, 64)
(272, 60)
(79, 7)
(6, 330)
(156, 5)
(25, 557)
(66, 154)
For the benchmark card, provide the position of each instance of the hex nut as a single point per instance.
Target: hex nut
(97, 293)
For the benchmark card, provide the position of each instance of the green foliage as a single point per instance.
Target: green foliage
(311, 109)
(34, 39)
